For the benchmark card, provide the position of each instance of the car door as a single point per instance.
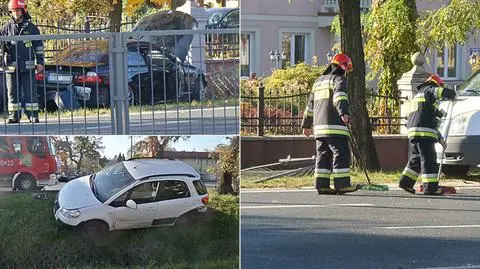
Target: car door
(144, 195)
(175, 199)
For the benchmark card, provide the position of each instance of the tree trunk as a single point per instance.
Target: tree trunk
(115, 16)
(225, 184)
(352, 46)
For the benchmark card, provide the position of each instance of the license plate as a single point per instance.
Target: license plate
(53, 77)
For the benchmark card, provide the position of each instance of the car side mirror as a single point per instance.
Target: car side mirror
(131, 204)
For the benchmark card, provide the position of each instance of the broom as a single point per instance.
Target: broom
(369, 186)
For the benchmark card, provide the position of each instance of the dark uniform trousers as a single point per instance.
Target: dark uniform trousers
(332, 150)
(422, 163)
(19, 82)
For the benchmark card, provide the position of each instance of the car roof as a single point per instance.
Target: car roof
(143, 168)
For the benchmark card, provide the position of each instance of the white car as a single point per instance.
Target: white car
(136, 193)
(463, 142)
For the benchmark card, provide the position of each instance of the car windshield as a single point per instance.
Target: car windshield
(471, 87)
(216, 15)
(87, 53)
(110, 180)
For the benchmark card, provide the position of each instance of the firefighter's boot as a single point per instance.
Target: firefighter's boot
(410, 190)
(328, 191)
(351, 188)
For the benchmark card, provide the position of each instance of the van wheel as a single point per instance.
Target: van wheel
(25, 182)
(455, 170)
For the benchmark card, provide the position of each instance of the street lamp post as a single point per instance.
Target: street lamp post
(277, 57)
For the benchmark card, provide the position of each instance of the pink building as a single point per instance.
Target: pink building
(300, 31)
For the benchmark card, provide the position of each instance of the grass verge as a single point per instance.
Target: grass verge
(248, 179)
(31, 239)
(220, 103)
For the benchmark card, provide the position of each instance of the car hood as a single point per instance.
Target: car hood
(462, 104)
(169, 20)
(77, 194)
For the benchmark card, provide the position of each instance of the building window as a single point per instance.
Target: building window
(246, 50)
(447, 62)
(295, 47)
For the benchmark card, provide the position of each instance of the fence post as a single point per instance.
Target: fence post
(261, 109)
(118, 85)
(87, 24)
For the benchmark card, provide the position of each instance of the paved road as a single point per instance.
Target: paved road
(195, 122)
(299, 229)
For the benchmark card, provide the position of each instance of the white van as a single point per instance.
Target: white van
(463, 141)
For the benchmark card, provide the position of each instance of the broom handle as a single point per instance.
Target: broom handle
(356, 154)
(445, 139)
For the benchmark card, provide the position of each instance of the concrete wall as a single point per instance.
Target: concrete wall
(392, 150)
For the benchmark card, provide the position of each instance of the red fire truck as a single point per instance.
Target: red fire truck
(28, 162)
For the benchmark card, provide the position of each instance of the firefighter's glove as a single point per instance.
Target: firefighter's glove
(345, 118)
(307, 132)
(442, 142)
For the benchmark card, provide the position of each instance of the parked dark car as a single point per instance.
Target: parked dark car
(221, 18)
(155, 75)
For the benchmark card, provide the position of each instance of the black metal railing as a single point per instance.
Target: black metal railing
(280, 112)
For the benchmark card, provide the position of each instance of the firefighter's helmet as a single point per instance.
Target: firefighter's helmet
(14, 4)
(343, 61)
(436, 79)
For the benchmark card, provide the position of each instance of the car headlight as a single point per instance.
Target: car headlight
(459, 123)
(70, 213)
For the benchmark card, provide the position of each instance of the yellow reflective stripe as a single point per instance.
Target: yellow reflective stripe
(322, 94)
(439, 92)
(419, 99)
(422, 134)
(410, 175)
(321, 87)
(340, 175)
(341, 170)
(322, 175)
(339, 97)
(429, 178)
(308, 111)
(331, 132)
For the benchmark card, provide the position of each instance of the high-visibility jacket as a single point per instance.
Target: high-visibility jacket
(422, 119)
(328, 101)
(22, 55)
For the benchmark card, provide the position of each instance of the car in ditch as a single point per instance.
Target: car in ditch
(135, 193)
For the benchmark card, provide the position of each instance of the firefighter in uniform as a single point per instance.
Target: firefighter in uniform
(423, 134)
(327, 113)
(21, 59)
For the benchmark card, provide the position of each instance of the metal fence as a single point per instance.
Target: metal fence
(151, 82)
(280, 112)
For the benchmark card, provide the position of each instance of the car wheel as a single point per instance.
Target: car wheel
(455, 170)
(188, 219)
(93, 228)
(25, 182)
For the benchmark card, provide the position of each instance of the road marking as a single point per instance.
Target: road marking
(305, 206)
(278, 190)
(431, 227)
(455, 267)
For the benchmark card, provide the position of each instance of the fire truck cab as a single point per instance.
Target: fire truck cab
(28, 162)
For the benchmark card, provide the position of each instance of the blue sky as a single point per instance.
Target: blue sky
(115, 144)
